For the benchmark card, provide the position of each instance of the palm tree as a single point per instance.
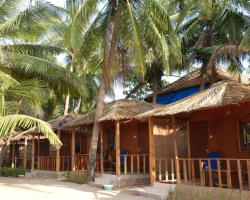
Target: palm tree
(216, 31)
(16, 97)
(25, 52)
(122, 32)
(68, 34)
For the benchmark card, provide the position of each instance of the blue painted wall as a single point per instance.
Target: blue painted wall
(178, 95)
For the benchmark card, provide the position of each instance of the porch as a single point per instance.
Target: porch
(231, 173)
(122, 150)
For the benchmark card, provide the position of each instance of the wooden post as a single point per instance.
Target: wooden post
(38, 152)
(117, 148)
(13, 156)
(58, 155)
(101, 149)
(73, 149)
(25, 153)
(176, 150)
(33, 153)
(188, 150)
(151, 151)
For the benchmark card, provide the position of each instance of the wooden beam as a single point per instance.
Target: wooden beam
(25, 154)
(73, 149)
(151, 151)
(176, 150)
(13, 155)
(38, 152)
(188, 149)
(58, 155)
(117, 148)
(33, 153)
(101, 149)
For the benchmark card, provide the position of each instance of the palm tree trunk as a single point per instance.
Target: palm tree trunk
(66, 107)
(109, 57)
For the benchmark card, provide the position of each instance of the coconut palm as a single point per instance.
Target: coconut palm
(21, 97)
(216, 31)
(24, 51)
(117, 38)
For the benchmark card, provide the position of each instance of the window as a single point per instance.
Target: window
(111, 141)
(245, 136)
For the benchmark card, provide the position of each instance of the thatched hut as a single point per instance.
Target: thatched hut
(217, 123)
(32, 150)
(123, 146)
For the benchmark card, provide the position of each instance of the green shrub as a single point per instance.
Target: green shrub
(76, 177)
(14, 172)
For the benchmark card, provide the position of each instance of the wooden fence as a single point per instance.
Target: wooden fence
(212, 172)
(137, 163)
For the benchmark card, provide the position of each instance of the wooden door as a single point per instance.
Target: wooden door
(198, 139)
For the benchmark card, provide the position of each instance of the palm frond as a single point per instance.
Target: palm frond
(10, 124)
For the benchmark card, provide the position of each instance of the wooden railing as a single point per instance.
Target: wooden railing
(81, 162)
(165, 169)
(212, 172)
(47, 163)
(65, 163)
(138, 163)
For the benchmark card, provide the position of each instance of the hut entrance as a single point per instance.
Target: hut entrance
(199, 139)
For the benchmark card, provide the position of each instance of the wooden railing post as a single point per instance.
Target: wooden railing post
(151, 151)
(229, 179)
(73, 146)
(58, 155)
(33, 153)
(25, 154)
(239, 175)
(117, 148)
(248, 173)
(125, 164)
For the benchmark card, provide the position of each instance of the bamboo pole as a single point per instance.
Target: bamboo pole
(101, 143)
(58, 155)
(176, 150)
(151, 151)
(73, 149)
(25, 153)
(38, 153)
(13, 156)
(33, 153)
(117, 148)
(188, 149)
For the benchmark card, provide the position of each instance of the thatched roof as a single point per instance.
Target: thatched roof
(56, 124)
(219, 94)
(116, 110)
(60, 121)
(194, 78)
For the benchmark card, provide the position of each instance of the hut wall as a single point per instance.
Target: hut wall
(222, 131)
(164, 147)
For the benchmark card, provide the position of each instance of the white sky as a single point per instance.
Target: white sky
(57, 2)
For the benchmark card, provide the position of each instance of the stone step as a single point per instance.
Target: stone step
(158, 191)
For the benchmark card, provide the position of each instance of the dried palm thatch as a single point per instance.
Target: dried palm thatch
(56, 124)
(219, 94)
(116, 110)
(194, 78)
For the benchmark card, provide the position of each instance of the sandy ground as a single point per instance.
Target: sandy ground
(50, 189)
